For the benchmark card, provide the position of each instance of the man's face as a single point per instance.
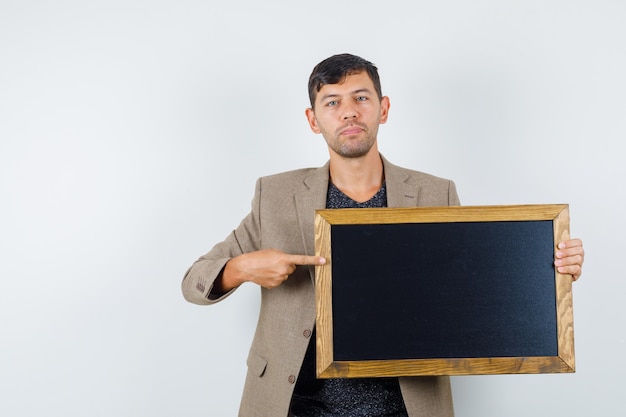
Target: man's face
(348, 115)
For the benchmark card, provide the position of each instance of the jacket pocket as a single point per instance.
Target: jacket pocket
(256, 364)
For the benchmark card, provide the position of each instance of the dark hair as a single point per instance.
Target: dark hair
(335, 69)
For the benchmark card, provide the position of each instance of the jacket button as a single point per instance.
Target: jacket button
(306, 333)
(292, 379)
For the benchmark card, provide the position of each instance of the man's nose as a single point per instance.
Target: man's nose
(349, 113)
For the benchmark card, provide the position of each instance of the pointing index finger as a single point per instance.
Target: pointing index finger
(307, 260)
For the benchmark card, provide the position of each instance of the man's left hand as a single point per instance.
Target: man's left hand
(570, 256)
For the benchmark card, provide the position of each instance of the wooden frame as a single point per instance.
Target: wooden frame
(347, 340)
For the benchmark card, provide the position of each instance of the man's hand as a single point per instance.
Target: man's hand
(570, 256)
(268, 268)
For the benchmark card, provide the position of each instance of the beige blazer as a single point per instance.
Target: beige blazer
(282, 217)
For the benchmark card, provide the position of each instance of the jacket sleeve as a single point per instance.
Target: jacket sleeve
(198, 281)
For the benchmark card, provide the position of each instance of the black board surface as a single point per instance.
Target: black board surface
(444, 290)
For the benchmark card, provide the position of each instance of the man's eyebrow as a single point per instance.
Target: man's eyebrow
(335, 95)
(327, 96)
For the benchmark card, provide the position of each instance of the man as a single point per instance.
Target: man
(273, 247)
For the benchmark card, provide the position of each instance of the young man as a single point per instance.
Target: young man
(273, 247)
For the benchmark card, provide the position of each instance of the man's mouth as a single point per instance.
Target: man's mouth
(351, 130)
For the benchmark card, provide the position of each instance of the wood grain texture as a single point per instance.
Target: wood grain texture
(564, 298)
(323, 297)
(442, 214)
(454, 366)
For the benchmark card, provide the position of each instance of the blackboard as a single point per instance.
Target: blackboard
(442, 291)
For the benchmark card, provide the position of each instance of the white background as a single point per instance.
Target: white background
(131, 134)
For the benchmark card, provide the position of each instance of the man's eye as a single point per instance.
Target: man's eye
(331, 103)
(361, 98)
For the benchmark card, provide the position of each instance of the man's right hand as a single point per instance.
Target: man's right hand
(268, 268)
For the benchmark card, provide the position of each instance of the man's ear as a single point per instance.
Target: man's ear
(310, 116)
(384, 109)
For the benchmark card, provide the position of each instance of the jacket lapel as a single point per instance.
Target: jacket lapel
(400, 193)
(311, 198)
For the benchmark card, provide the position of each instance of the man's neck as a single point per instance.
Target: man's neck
(358, 178)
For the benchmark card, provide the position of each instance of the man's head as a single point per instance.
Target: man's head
(346, 105)
(333, 70)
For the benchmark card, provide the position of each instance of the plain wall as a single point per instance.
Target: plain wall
(131, 134)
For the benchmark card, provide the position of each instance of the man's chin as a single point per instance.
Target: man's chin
(353, 153)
